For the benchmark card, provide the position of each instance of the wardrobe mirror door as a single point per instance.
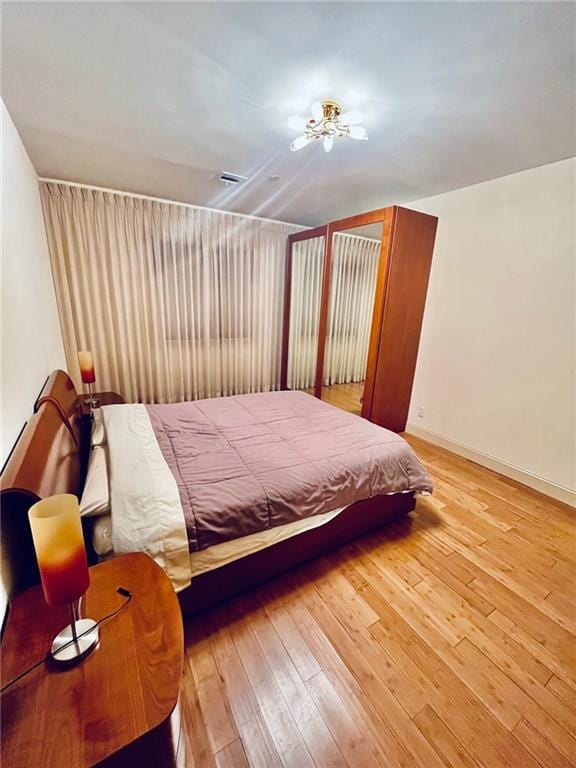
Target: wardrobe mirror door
(306, 289)
(354, 267)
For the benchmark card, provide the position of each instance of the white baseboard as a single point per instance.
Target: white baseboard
(547, 487)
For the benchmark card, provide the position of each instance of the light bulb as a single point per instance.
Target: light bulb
(352, 118)
(317, 111)
(328, 143)
(297, 123)
(300, 142)
(358, 132)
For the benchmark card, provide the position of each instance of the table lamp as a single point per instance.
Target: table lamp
(86, 362)
(61, 555)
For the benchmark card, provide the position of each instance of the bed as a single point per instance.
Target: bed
(223, 493)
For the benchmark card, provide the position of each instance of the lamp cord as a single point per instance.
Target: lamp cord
(121, 590)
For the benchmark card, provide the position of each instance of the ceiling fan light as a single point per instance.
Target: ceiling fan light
(317, 111)
(352, 118)
(299, 142)
(358, 132)
(297, 123)
(328, 143)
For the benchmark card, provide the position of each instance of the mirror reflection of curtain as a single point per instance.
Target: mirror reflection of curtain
(307, 266)
(353, 282)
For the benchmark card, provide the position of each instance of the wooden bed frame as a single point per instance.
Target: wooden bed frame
(51, 457)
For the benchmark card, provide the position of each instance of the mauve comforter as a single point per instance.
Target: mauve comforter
(251, 462)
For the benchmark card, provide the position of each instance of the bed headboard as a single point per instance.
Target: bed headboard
(49, 457)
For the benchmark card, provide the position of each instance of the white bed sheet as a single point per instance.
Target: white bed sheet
(220, 554)
(151, 520)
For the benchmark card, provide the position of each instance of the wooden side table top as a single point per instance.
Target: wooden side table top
(126, 687)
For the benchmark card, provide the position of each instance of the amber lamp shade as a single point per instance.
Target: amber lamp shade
(86, 362)
(59, 545)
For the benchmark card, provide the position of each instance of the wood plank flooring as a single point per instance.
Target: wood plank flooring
(348, 397)
(444, 640)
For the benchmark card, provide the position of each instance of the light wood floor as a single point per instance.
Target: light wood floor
(442, 640)
(345, 396)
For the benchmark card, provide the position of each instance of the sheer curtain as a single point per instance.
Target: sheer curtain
(351, 303)
(176, 302)
(306, 289)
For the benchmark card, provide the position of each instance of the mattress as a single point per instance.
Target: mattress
(220, 554)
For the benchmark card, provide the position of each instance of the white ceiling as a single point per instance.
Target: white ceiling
(159, 98)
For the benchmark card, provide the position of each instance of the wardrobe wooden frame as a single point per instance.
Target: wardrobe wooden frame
(406, 246)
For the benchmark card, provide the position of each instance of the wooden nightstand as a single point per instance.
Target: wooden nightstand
(119, 707)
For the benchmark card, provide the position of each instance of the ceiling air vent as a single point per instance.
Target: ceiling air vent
(231, 178)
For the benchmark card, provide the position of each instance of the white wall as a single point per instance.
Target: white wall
(30, 333)
(495, 374)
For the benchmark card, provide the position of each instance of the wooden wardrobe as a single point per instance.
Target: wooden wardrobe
(403, 268)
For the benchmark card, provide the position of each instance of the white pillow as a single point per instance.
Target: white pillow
(98, 434)
(102, 536)
(96, 496)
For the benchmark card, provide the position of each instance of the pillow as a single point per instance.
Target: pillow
(96, 496)
(98, 434)
(102, 536)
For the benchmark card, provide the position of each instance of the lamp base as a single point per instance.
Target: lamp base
(90, 401)
(68, 650)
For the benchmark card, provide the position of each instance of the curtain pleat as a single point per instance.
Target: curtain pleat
(351, 303)
(306, 289)
(176, 303)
